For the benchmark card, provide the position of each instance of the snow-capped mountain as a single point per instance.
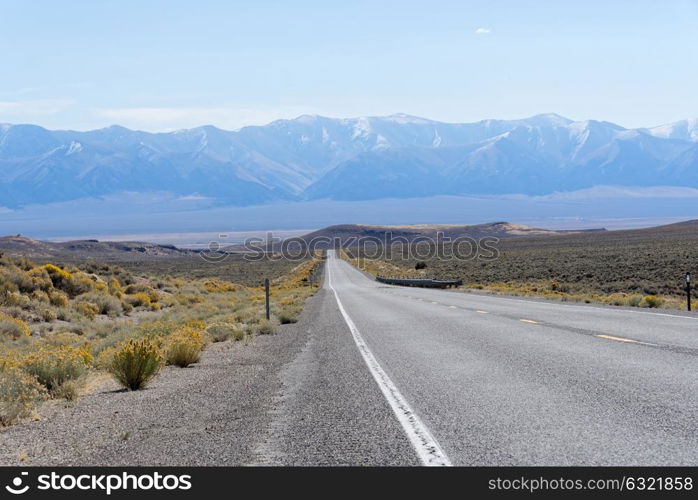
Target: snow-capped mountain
(357, 158)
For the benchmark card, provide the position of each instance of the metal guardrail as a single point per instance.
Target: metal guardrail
(419, 282)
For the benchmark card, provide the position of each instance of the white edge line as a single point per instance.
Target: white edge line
(425, 445)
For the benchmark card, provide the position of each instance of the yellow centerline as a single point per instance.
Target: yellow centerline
(529, 321)
(482, 312)
(622, 339)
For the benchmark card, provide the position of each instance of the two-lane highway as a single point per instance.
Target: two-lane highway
(482, 380)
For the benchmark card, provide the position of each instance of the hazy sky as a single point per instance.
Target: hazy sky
(163, 65)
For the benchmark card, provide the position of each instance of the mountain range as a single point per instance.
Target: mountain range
(314, 157)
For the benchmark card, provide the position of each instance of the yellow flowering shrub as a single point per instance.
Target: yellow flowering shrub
(216, 286)
(158, 328)
(184, 347)
(58, 298)
(138, 299)
(135, 362)
(19, 395)
(79, 283)
(54, 365)
(87, 309)
(40, 278)
(13, 327)
(143, 289)
(39, 296)
(225, 331)
(197, 324)
(59, 277)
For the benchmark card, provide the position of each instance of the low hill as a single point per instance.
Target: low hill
(411, 233)
(84, 249)
(349, 235)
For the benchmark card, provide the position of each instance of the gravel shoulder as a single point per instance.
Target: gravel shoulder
(330, 411)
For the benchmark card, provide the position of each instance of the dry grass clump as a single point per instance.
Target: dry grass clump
(265, 327)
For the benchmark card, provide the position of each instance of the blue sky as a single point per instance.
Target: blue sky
(164, 65)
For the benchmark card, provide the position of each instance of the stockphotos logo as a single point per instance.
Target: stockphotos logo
(105, 483)
(18, 487)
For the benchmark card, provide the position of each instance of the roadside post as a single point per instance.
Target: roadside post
(266, 296)
(688, 291)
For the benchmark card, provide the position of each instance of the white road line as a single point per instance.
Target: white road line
(428, 449)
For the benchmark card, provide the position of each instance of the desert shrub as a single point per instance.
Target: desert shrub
(87, 309)
(40, 279)
(78, 284)
(652, 301)
(225, 331)
(13, 327)
(64, 314)
(18, 313)
(115, 288)
(17, 299)
(634, 301)
(58, 298)
(134, 363)
(287, 316)
(59, 277)
(54, 365)
(106, 304)
(61, 337)
(19, 278)
(184, 347)
(39, 296)
(420, 265)
(265, 327)
(6, 289)
(213, 286)
(248, 315)
(197, 324)
(136, 289)
(48, 315)
(188, 299)
(158, 328)
(69, 390)
(19, 395)
(138, 299)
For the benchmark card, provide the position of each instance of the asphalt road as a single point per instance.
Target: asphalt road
(400, 375)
